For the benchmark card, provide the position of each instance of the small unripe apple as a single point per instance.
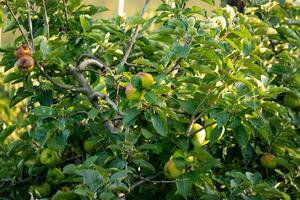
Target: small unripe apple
(291, 101)
(199, 137)
(171, 171)
(23, 50)
(25, 63)
(43, 190)
(147, 79)
(132, 93)
(89, 145)
(60, 195)
(55, 176)
(49, 157)
(267, 160)
(190, 159)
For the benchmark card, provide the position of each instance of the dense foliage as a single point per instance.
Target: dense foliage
(220, 121)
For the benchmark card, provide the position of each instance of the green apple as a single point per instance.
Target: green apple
(189, 159)
(60, 195)
(171, 171)
(49, 157)
(132, 93)
(291, 101)
(89, 145)
(55, 176)
(210, 128)
(267, 160)
(199, 137)
(147, 79)
(297, 79)
(43, 190)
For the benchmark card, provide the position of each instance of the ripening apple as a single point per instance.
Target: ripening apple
(267, 160)
(199, 137)
(132, 93)
(23, 50)
(172, 171)
(49, 157)
(25, 63)
(147, 79)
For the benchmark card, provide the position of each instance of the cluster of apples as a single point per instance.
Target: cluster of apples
(50, 159)
(177, 164)
(133, 93)
(23, 54)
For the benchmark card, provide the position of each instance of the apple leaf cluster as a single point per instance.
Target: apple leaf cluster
(179, 104)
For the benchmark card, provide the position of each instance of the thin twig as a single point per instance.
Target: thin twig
(17, 21)
(108, 100)
(66, 15)
(194, 118)
(150, 180)
(133, 37)
(63, 86)
(30, 25)
(46, 19)
(177, 63)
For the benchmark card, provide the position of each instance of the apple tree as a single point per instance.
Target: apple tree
(183, 104)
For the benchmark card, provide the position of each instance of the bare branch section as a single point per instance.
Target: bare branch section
(93, 96)
(17, 21)
(134, 36)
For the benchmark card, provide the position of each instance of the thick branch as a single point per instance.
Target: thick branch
(133, 37)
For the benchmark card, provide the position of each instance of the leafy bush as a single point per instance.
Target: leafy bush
(221, 120)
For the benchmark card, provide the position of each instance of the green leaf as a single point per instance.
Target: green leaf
(42, 112)
(210, 2)
(20, 95)
(144, 164)
(151, 97)
(12, 77)
(6, 132)
(156, 148)
(184, 186)
(92, 114)
(241, 135)
(85, 22)
(134, 21)
(130, 116)
(159, 124)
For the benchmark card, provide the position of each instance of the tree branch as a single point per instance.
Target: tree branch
(194, 118)
(17, 21)
(46, 19)
(30, 25)
(150, 179)
(62, 86)
(133, 37)
(66, 15)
